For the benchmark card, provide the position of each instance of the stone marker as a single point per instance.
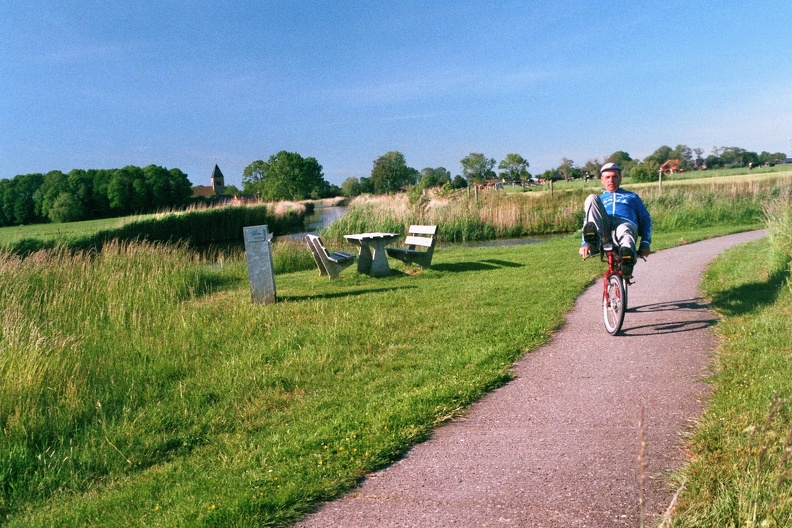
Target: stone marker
(261, 272)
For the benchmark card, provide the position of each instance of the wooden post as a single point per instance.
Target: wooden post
(261, 271)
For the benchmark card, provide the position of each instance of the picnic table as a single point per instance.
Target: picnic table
(372, 259)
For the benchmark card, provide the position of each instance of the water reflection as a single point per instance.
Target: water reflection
(323, 216)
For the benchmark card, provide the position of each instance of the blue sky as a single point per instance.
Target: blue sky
(187, 84)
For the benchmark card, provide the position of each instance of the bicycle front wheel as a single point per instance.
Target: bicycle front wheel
(614, 303)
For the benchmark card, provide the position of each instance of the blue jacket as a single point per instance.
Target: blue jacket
(628, 205)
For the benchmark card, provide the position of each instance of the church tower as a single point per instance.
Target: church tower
(218, 182)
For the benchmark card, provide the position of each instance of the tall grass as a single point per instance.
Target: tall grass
(500, 215)
(778, 216)
(83, 336)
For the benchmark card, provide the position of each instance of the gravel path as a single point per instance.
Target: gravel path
(559, 446)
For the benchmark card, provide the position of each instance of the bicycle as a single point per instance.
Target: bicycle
(614, 289)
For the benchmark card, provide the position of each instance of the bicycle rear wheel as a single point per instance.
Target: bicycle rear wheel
(614, 303)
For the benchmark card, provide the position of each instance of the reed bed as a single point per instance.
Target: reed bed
(461, 218)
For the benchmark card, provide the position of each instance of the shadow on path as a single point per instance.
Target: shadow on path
(687, 304)
(672, 327)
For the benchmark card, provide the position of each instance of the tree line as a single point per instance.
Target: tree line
(91, 194)
(648, 168)
(391, 173)
(287, 176)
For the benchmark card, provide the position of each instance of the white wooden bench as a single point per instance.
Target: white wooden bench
(330, 264)
(422, 236)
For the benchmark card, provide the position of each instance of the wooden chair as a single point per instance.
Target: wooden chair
(417, 236)
(330, 264)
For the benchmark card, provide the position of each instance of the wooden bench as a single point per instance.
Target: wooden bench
(330, 264)
(418, 236)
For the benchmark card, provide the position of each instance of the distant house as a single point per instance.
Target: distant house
(217, 187)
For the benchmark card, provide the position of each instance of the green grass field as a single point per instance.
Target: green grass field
(697, 178)
(64, 230)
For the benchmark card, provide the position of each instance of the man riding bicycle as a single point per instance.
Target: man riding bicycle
(616, 215)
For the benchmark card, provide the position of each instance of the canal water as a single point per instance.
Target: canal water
(322, 216)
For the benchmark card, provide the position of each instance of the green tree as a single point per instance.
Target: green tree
(477, 168)
(164, 188)
(684, 154)
(434, 177)
(7, 201)
(231, 190)
(254, 177)
(80, 184)
(733, 156)
(53, 185)
(159, 183)
(592, 168)
(351, 187)
(713, 161)
(284, 176)
(458, 182)
(19, 202)
(101, 200)
(660, 155)
(619, 157)
(390, 173)
(181, 188)
(366, 187)
(66, 208)
(644, 172)
(120, 192)
(699, 160)
(771, 158)
(567, 169)
(514, 168)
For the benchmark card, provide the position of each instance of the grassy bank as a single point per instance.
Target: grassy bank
(198, 227)
(741, 470)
